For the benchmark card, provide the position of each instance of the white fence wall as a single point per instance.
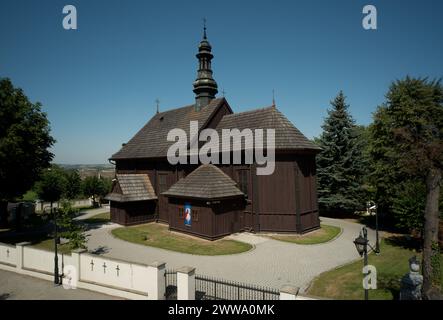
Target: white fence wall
(40, 206)
(8, 254)
(43, 261)
(110, 276)
(118, 274)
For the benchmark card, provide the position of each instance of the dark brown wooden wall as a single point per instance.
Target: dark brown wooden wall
(276, 199)
(228, 216)
(131, 213)
(202, 227)
(308, 205)
(272, 204)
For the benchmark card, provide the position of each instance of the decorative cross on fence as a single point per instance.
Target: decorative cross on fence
(118, 269)
(92, 265)
(104, 267)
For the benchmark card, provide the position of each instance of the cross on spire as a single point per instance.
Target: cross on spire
(273, 98)
(223, 92)
(158, 104)
(204, 28)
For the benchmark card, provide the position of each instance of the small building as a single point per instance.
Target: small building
(214, 200)
(206, 203)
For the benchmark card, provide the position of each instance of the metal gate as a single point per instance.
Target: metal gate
(170, 285)
(208, 288)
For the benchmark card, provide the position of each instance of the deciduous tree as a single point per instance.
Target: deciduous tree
(24, 144)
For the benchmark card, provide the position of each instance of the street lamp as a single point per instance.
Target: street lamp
(372, 207)
(361, 244)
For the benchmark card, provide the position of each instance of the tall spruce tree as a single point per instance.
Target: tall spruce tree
(341, 165)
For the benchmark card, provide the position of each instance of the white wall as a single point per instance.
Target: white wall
(8, 254)
(43, 261)
(129, 276)
(132, 281)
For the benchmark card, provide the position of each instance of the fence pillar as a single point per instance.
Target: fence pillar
(186, 283)
(71, 273)
(288, 292)
(20, 255)
(159, 289)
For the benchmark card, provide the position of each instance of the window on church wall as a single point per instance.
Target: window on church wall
(181, 212)
(195, 215)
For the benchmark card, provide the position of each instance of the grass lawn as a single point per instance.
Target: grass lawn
(48, 245)
(99, 218)
(324, 234)
(38, 241)
(346, 282)
(156, 235)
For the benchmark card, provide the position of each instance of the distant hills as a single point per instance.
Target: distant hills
(86, 166)
(88, 170)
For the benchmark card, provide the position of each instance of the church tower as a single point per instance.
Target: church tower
(205, 87)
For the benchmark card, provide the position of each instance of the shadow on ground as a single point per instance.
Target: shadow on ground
(100, 250)
(405, 242)
(5, 296)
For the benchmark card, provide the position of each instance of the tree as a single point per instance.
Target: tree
(106, 187)
(24, 143)
(407, 149)
(73, 184)
(51, 185)
(70, 229)
(340, 165)
(93, 187)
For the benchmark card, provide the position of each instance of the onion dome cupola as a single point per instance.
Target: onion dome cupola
(205, 87)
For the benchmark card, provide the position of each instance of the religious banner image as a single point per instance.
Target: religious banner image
(188, 215)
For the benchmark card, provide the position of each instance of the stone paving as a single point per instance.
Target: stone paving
(272, 263)
(15, 286)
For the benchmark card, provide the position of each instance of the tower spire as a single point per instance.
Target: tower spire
(205, 87)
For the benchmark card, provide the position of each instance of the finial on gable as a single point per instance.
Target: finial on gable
(273, 98)
(158, 105)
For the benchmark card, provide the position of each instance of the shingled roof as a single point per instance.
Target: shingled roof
(205, 182)
(287, 136)
(132, 187)
(151, 141)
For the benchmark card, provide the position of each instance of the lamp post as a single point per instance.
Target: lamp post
(377, 242)
(56, 275)
(361, 243)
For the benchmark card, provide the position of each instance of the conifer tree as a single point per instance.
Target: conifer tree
(341, 165)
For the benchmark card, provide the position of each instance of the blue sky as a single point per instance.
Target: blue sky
(98, 83)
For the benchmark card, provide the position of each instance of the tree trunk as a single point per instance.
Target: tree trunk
(431, 252)
(3, 214)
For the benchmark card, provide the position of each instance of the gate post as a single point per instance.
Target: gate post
(186, 283)
(20, 255)
(288, 293)
(157, 270)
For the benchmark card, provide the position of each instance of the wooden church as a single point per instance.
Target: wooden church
(212, 201)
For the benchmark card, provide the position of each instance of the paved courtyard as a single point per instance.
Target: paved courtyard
(15, 286)
(271, 263)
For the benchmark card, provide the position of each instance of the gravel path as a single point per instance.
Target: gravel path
(272, 263)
